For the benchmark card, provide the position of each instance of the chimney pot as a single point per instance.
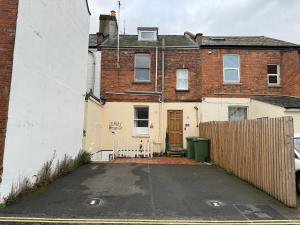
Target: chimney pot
(113, 13)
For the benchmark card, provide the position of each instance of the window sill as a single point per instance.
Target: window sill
(179, 90)
(232, 83)
(141, 82)
(274, 86)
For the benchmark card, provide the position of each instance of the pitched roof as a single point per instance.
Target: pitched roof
(132, 41)
(185, 41)
(259, 41)
(93, 41)
(282, 101)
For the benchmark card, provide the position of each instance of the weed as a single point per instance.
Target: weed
(82, 158)
(64, 167)
(45, 174)
(12, 196)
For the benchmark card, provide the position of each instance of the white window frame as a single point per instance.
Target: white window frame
(277, 75)
(135, 56)
(140, 38)
(140, 131)
(187, 78)
(231, 68)
(238, 106)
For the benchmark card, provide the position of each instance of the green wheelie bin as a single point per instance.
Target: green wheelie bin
(201, 146)
(190, 147)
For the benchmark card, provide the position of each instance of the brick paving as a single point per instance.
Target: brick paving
(157, 160)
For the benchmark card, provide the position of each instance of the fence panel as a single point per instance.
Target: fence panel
(259, 151)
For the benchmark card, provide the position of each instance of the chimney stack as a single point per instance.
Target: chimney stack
(198, 38)
(108, 24)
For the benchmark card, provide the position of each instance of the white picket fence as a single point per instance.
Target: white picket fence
(133, 149)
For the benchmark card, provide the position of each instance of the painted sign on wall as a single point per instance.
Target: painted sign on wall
(115, 125)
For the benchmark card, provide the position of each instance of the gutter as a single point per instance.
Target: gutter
(152, 47)
(249, 47)
(142, 92)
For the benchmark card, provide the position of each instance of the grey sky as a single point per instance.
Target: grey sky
(275, 18)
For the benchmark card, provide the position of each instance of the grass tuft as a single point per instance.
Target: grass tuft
(45, 176)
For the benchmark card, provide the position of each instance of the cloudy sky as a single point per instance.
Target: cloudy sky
(275, 18)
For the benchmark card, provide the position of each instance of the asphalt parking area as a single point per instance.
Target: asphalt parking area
(141, 191)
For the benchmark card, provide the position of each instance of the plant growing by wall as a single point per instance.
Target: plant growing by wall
(167, 144)
(46, 175)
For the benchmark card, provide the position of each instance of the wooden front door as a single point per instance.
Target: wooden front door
(175, 128)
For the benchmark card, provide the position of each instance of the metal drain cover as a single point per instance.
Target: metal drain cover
(94, 202)
(215, 203)
(259, 212)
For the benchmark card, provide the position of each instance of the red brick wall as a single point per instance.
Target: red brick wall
(120, 80)
(205, 73)
(253, 71)
(291, 69)
(8, 16)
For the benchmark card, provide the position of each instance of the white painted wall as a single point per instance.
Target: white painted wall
(94, 71)
(46, 107)
(216, 109)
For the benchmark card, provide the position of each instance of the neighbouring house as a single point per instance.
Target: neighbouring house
(43, 55)
(158, 88)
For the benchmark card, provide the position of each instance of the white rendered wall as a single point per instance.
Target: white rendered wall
(46, 108)
(94, 71)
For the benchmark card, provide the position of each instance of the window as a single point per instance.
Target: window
(297, 144)
(182, 81)
(141, 120)
(146, 35)
(236, 113)
(142, 68)
(231, 66)
(273, 75)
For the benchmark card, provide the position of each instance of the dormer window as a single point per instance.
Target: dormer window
(147, 33)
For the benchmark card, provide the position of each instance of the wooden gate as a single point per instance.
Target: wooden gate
(175, 128)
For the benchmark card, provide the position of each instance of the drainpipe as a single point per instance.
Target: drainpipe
(163, 93)
(163, 71)
(156, 56)
(94, 71)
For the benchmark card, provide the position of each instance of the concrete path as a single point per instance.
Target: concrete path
(153, 192)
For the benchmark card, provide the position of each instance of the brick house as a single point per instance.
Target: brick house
(41, 85)
(156, 85)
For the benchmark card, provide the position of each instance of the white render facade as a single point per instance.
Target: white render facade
(46, 107)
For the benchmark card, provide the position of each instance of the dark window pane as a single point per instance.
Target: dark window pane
(142, 113)
(141, 123)
(272, 79)
(272, 69)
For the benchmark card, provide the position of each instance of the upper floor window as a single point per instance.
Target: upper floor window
(147, 33)
(273, 75)
(142, 68)
(182, 81)
(231, 68)
(141, 120)
(236, 113)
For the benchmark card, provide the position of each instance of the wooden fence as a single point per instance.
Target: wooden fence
(259, 151)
